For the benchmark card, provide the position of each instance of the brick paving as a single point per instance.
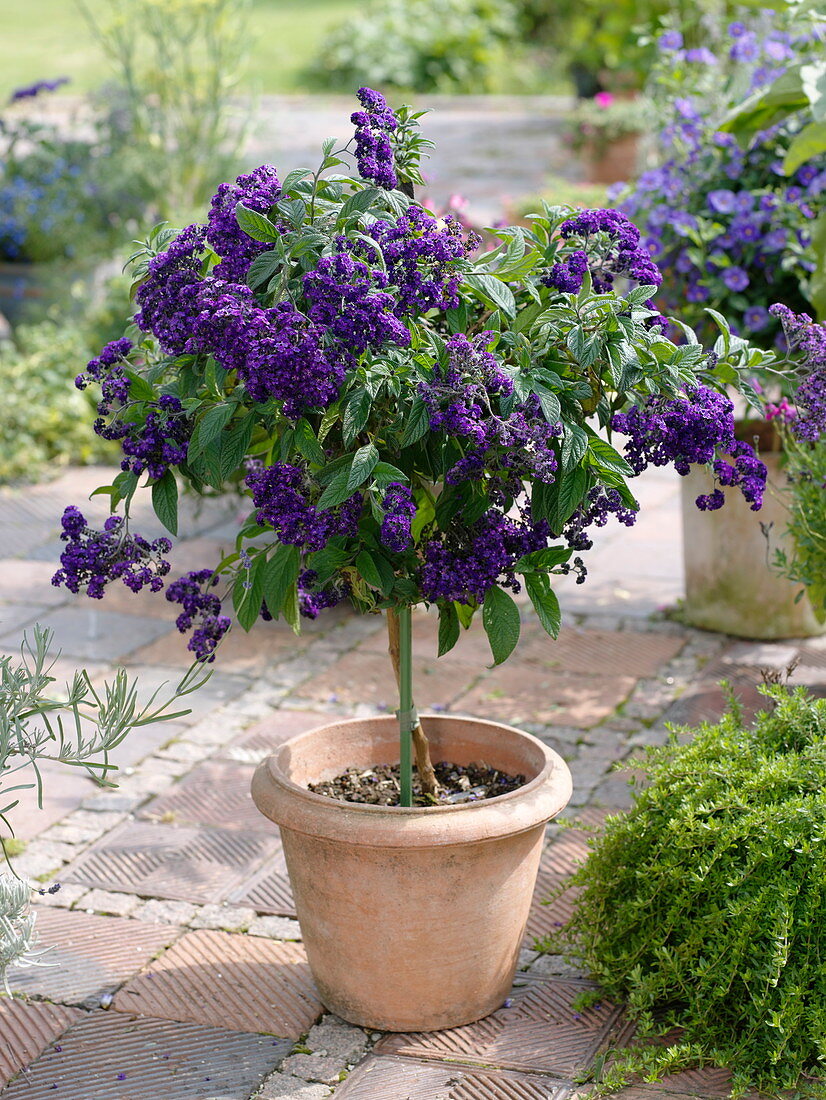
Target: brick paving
(177, 969)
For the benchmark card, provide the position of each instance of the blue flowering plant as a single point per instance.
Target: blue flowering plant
(412, 421)
(723, 223)
(61, 195)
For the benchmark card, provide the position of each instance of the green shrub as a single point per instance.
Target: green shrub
(423, 45)
(705, 905)
(46, 421)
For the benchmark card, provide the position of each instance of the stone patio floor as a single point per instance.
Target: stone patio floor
(177, 969)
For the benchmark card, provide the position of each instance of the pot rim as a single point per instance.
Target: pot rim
(295, 807)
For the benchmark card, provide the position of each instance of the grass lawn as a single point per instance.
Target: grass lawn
(50, 38)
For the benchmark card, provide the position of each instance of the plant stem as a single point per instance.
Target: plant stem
(400, 644)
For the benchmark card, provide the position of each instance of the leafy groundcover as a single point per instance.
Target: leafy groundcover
(703, 907)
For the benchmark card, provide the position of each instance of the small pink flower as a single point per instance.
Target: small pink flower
(604, 99)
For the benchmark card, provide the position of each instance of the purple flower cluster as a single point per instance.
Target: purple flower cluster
(259, 190)
(422, 254)
(690, 430)
(32, 90)
(747, 212)
(201, 610)
(93, 558)
(278, 353)
(280, 493)
(168, 297)
(374, 153)
(807, 343)
(612, 246)
(462, 399)
(159, 442)
(349, 299)
(312, 600)
(399, 510)
(107, 371)
(567, 275)
(469, 559)
(600, 505)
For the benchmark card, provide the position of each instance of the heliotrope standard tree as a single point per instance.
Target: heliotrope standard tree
(414, 420)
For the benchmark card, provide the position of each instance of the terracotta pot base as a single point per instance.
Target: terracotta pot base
(412, 918)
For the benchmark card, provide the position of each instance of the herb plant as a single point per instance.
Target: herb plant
(703, 906)
(78, 727)
(413, 420)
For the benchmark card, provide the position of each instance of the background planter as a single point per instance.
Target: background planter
(412, 918)
(613, 161)
(729, 585)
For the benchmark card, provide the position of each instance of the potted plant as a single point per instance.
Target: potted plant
(414, 423)
(732, 234)
(605, 131)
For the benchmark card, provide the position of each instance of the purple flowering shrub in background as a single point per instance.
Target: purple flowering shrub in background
(801, 419)
(723, 223)
(412, 420)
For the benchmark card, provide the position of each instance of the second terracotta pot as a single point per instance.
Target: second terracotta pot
(412, 918)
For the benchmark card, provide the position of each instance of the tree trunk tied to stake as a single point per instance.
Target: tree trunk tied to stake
(427, 776)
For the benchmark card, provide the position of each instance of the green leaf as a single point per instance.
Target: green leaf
(544, 601)
(291, 608)
(294, 177)
(602, 455)
(234, 444)
(262, 268)
(574, 446)
(448, 628)
(280, 571)
(165, 501)
(571, 492)
(385, 474)
(425, 512)
(543, 559)
(417, 423)
(139, 388)
(307, 444)
(364, 462)
(337, 490)
(817, 288)
(329, 418)
(493, 292)
(500, 618)
(465, 613)
(256, 225)
(209, 427)
(247, 600)
(806, 145)
(124, 486)
(376, 570)
(358, 203)
(293, 210)
(356, 414)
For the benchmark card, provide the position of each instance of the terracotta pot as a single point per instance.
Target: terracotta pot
(614, 162)
(412, 918)
(729, 585)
